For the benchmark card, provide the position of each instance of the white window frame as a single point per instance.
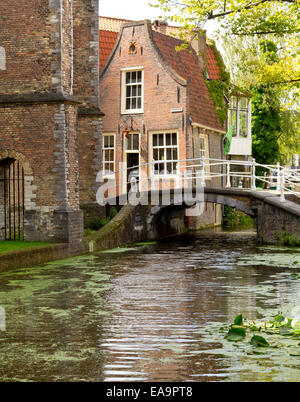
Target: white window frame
(237, 113)
(103, 153)
(126, 142)
(206, 150)
(151, 133)
(130, 151)
(123, 90)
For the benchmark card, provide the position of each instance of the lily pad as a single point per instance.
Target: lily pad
(286, 331)
(259, 341)
(279, 318)
(238, 320)
(236, 333)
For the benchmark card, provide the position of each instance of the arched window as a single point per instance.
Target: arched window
(2, 58)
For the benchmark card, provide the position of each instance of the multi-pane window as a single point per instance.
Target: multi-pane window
(233, 115)
(132, 142)
(133, 88)
(165, 150)
(243, 117)
(239, 116)
(108, 153)
(202, 147)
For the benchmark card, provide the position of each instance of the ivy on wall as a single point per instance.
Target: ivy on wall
(219, 89)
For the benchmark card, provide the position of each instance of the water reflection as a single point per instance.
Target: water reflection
(139, 315)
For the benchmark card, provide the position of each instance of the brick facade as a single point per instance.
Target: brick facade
(50, 80)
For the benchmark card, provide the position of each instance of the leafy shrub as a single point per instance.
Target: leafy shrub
(98, 223)
(112, 212)
(234, 217)
(289, 240)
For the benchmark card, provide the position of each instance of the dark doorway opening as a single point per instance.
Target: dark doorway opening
(11, 200)
(132, 168)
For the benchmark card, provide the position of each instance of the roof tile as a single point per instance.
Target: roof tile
(107, 41)
(185, 63)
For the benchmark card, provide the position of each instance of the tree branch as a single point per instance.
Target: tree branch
(282, 82)
(248, 7)
(263, 33)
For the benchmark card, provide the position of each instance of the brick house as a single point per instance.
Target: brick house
(49, 108)
(156, 103)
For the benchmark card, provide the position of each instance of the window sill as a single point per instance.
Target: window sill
(135, 111)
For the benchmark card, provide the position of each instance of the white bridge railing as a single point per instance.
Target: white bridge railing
(234, 173)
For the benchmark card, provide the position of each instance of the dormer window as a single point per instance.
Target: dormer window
(239, 116)
(132, 91)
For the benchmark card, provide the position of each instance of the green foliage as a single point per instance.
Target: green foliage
(289, 140)
(261, 49)
(99, 223)
(235, 218)
(265, 125)
(275, 19)
(279, 325)
(112, 212)
(216, 90)
(6, 246)
(289, 240)
(238, 17)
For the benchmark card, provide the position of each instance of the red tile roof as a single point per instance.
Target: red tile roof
(213, 69)
(185, 63)
(107, 41)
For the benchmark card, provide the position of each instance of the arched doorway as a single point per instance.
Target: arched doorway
(11, 199)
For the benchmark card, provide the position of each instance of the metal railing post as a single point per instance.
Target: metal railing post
(178, 176)
(228, 184)
(282, 196)
(253, 175)
(153, 176)
(203, 172)
(278, 176)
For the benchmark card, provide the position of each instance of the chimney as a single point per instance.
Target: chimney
(160, 26)
(198, 43)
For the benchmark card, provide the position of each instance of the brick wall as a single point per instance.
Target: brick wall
(38, 113)
(86, 53)
(160, 94)
(38, 51)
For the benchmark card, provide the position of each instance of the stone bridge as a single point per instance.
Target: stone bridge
(273, 217)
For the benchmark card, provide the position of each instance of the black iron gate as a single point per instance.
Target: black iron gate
(12, 199)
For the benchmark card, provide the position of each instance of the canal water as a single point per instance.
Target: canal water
(154, 312)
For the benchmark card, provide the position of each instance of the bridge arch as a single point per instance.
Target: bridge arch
(231, 202)
(163, 216)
